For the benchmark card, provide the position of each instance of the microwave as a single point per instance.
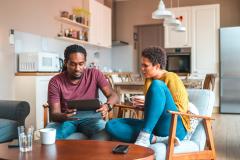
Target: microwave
(39, 62)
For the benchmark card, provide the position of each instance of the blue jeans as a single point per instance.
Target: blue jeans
(156, 121)
(90, 123)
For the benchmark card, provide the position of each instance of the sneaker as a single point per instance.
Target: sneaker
(143, 139)
(164, 140)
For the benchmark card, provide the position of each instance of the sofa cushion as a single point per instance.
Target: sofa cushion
(8, 130)
(204, 101)
(77, 135)
(160, 149)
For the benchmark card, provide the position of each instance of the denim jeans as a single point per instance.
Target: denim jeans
(156, 118)
(90, 124)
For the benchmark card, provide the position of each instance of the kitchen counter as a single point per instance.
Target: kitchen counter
(36, 73)
(193, 83)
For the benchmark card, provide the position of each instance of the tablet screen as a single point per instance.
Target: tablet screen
(84, 105)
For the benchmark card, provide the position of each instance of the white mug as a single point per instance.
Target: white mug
(141, 97)
(48, 135)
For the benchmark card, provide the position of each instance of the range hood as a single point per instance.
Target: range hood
(119, 43)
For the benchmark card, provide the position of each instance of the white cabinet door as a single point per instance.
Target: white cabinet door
(175, 39)
(33, 89)
(100, 32)
(205, 25)
(107, 27)
(94, 22)
(41, 98)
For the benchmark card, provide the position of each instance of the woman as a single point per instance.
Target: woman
(163, 91)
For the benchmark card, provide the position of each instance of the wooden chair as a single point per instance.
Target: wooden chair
(209, 81)
(208, 153)
(46, 115)
(204, 101)
(127, 111)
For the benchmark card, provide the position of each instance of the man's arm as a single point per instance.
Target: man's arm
(112, 98)
(58, 116)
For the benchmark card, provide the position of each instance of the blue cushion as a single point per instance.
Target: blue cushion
(8, 130)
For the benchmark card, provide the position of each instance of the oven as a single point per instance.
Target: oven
(179, 60)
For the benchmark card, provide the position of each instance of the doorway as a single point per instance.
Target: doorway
(146, 36)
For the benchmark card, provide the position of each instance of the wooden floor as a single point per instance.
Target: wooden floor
(226, 132)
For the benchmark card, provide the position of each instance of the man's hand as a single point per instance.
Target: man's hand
(69, 113)
(104, 110)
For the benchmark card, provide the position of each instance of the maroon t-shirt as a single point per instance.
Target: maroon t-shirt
(60, 88)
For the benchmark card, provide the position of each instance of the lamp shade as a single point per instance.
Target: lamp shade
(179, 28)
(172, 21)
(161, 12)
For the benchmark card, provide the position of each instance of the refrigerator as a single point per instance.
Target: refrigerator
(230, 70)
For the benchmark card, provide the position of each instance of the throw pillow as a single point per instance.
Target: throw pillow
(193, 121)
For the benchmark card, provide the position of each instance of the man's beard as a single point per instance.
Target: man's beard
(76, 77)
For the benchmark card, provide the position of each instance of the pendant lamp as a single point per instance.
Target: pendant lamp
(172, 21)
(180, 28)
(161, 12)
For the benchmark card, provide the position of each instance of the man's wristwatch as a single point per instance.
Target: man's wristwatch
(110, 107)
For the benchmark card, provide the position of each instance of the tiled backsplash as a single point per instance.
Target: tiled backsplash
(27, 42)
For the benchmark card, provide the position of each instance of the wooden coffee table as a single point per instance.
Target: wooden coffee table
(77, 149)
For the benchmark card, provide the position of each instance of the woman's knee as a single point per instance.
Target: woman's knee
(158, 83)
(111, 125)
(157, 86)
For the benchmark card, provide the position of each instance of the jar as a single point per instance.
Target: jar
(74, 34)
(65, 14)
(72, 17)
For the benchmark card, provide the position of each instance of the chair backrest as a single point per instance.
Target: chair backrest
(46, 115)
(209, 81)
(204, 101)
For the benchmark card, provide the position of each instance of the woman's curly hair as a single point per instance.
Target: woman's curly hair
(156, 55)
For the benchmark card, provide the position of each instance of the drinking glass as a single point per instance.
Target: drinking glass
(25, 138)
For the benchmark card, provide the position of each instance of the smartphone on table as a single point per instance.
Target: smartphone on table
(120, 149)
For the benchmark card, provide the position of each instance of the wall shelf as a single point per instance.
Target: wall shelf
(72, 40)
(71, 22)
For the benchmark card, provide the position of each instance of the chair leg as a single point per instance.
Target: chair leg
(209, 137)
(170, 149)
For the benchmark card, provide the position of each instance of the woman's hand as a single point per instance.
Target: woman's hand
(138, 102)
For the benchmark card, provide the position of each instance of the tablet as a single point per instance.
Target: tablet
(84, 105)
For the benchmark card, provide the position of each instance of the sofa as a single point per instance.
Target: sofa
(204, 102)
(12, 115)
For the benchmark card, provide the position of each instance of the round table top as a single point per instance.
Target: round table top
(77, 149)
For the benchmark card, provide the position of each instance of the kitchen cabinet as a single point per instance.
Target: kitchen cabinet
(33, 89)
(100, 33)
(205, 39)
(175, 39)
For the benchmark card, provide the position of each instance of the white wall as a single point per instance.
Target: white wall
(123, 58)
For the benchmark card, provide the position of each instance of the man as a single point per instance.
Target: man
(74, 83)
